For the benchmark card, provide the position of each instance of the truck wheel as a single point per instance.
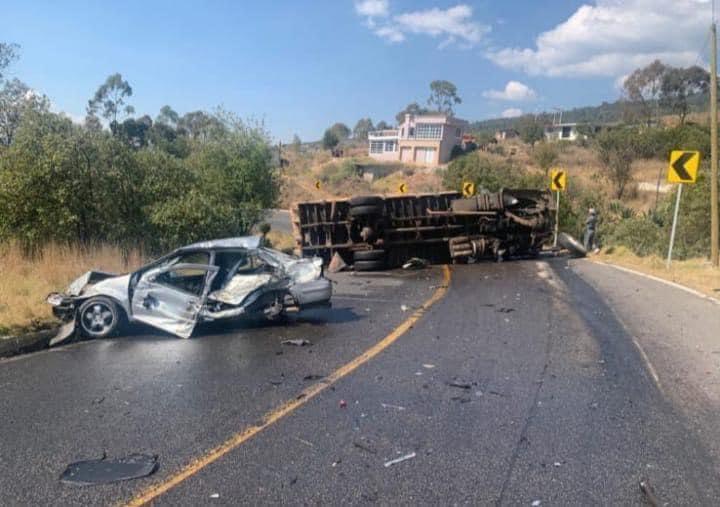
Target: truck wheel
(365, 200)
(574, 246)
(365, 210)
(99, 317)
(369, 255)
(369, 265)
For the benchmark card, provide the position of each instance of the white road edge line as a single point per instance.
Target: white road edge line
(661, 280)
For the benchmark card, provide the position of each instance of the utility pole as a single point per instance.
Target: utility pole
(714, 224)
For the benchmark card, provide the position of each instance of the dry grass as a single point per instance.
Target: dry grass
(281, 241)
(25, 282)
(695, 273)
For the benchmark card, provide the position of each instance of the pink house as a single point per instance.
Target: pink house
(426, 139)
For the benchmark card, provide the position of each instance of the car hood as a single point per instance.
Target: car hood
(98, 282)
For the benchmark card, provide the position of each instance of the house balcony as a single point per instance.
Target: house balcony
(383, 134)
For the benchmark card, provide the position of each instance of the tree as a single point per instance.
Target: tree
(643, 86)
(109, 99)
(678, 84)
(168, 116)
(545, 155)
(412, 108)
(531, 131)
(296, 143)
(362, 127)
(200, 125)
(443, 96)
(617, 149)
(8, 54)
(330, 139)
(341, 130)
(382, 125)
(16, 100)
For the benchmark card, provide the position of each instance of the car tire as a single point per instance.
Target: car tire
(99, 317)
(365, 200)
(366, 210)
(574, 246)
(369, 255)
(369, 265)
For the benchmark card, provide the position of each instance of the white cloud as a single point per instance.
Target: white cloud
(514, 91)
(454, 25)
(513, 112)
(372, 8)
(613, 37)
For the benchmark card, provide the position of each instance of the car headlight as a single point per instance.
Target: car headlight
(55, 299)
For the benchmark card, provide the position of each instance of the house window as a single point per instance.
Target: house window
(376, 146)
(566, 131)
(428, 131)
(457, 132)
(390, 146)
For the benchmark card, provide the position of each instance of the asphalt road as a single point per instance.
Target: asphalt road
(577, 386)
(279, 220)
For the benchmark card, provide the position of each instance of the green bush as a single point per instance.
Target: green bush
(639, 234)
(488, 174)
(336, 173)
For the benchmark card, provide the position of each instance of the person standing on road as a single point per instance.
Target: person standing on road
(590, 225)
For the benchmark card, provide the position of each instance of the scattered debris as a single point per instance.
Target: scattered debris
(294, 480)
(215, 495)
(536, 503)
(364, 447)
(276, 382)
(399, 460)
(415, 263)
(297, 342)
(337, 264)
(388, 405)
(459, 383)
(429, 366)
(98, 401)
(103, 471)
(336, 463)
(557, 464)
(404, 308)
(461, 399)
(505, 310)
(313, 377)
(649, 493)
(343, 404)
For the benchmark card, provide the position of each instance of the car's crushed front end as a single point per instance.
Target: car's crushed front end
(65, 304)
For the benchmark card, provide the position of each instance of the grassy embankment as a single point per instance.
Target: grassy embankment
(25, 281)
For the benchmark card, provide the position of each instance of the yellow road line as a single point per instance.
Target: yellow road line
(148, 495)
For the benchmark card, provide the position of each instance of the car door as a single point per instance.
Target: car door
(170, 296)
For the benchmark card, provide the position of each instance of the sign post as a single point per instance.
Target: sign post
(558, 183)
(683, 169)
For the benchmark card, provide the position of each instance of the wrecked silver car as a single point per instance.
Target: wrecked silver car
(207, 281)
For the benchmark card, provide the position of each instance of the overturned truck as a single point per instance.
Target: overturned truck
(373, 232)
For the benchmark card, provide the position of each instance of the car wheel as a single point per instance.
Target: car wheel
(369, 255)
(98, 317)
(365, 210)
(369, 265)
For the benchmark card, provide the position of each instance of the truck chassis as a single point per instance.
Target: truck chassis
(374, 232)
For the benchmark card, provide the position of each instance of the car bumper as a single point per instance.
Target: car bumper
(63, 307)
(312, 293)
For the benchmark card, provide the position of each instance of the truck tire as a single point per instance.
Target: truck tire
(365, 200)
(572, 245)
(366, 210)
(369, 265)
(369, 255)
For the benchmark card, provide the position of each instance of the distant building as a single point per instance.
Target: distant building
(561, 132)
(503, 134)
(426, 139)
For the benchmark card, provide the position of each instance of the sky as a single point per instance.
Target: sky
(301, 65)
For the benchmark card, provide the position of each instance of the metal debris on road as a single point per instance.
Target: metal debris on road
(505, 310)
(215, 495)
(536, 503)
(460, 383)
(404, 308)
(649, 493)
(429, 366)
(388, 405)
(104, 471)
(415, 263)
(343, 404)
(297, 342)
(312, 376)
(399, 460)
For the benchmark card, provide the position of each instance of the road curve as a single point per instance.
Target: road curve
(526, 381)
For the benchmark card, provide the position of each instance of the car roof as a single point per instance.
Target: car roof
(250, 242)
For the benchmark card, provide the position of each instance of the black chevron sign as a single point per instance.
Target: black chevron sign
(558, 180)
(683, 166)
